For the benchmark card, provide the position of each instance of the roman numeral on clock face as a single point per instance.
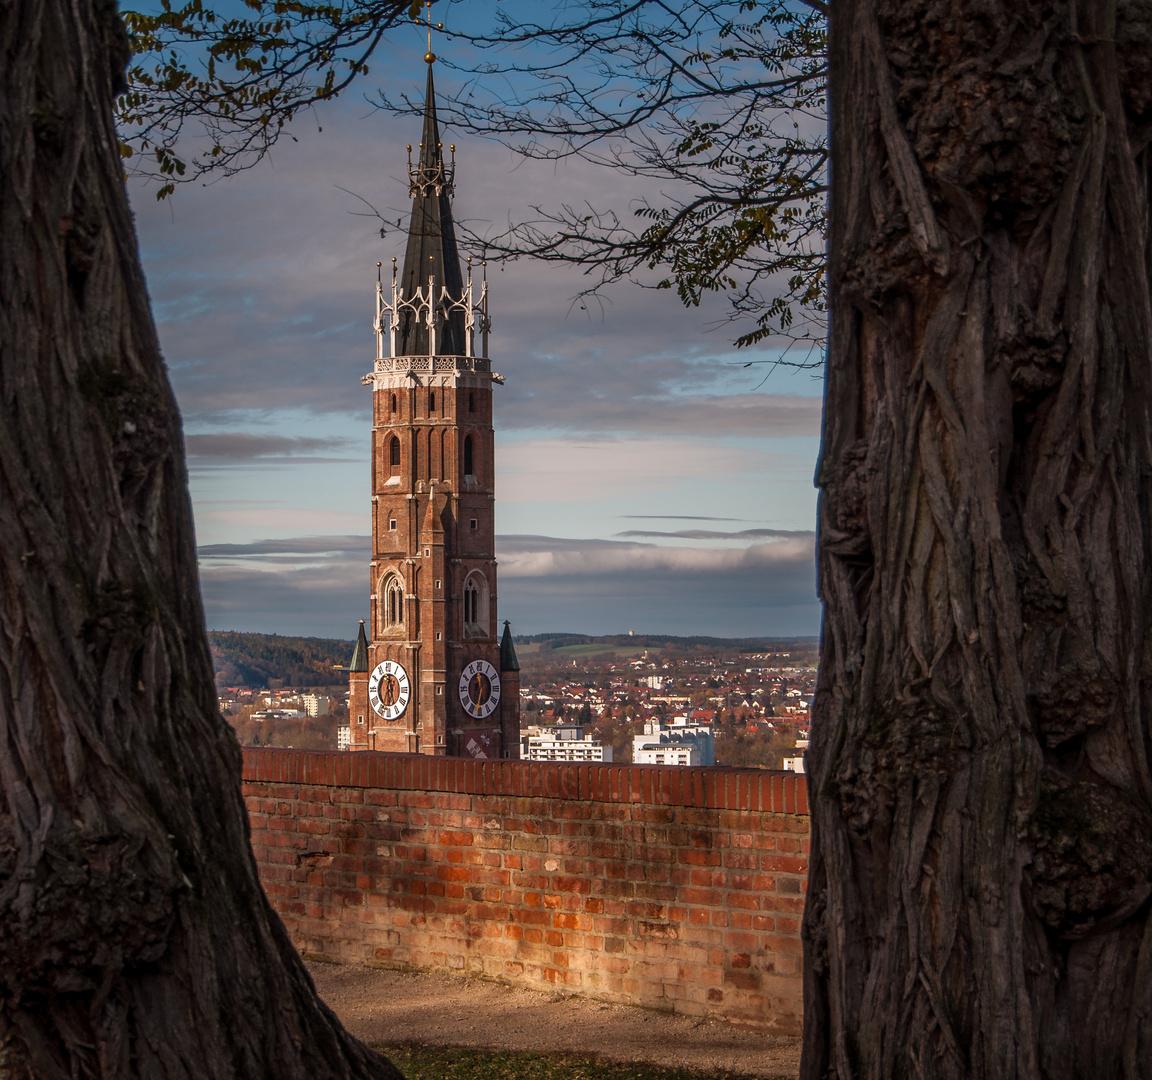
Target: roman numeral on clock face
(479, 689)
(389, 690)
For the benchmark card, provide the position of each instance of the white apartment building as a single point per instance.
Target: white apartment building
(666, 754)
(316, 704)
(565, 742)
(796, 764)
(343, 738)
(677, 743)
(277, 714)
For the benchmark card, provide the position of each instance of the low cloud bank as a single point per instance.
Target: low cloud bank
(241, 448)
(710, 534)
(701, 415)
(319, 585)
(547, 556)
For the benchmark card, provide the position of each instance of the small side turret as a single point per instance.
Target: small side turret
(510, 697)
(359, 721)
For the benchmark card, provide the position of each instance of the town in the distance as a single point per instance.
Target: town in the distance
(635, 698)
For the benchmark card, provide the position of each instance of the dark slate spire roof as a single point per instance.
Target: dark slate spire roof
(508, 661)
(360, 653)
(431, 243)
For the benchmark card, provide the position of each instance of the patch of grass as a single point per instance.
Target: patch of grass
(598, 649)
(464, 1063)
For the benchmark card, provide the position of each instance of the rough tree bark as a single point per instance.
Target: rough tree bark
(982, 815)
(135, 940)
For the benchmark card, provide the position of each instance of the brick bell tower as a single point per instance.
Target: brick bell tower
(432, 675)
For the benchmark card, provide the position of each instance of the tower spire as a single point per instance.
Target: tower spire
(431, 253)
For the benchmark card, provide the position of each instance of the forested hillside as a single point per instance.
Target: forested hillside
(269, 660)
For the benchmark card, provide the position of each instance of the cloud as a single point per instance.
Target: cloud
(606, 586)
(708, 534)
(545, 556)
(313, 585)
(296, 545)
(538, 556)
(319, 601)
(262, 287)
(319, 585)
(244, 448)
(255, 516)
(703, 415)
(734, 604)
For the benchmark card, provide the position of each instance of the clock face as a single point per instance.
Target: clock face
(389, 690)
(479, 689)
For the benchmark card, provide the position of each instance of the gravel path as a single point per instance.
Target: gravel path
(442, 1009)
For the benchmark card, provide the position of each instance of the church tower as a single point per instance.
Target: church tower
(432, 675)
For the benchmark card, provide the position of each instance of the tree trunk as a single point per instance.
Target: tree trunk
(135, 939)
(982, 801)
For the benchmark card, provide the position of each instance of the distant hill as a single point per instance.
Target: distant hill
(269, 660)
(664, 641)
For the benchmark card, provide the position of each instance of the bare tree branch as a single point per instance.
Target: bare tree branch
(720, 104)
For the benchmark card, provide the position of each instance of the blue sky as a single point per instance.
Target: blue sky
(646, 479)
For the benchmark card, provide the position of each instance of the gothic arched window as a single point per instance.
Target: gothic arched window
(394, 452)
(476, 605)
(392, 603)
(468, 461)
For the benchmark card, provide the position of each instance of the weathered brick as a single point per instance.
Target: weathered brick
(664, 887)
(786, 864)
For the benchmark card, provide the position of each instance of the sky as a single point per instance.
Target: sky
(646, 478)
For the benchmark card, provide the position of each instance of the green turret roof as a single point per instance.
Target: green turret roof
(508, 661)
(360, 654)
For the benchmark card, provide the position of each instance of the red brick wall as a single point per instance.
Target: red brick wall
(669, 887)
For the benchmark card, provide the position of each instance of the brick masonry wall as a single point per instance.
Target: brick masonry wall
(672, 888)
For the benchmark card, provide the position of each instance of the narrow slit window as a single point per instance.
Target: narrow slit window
(394, 453)
(432, 402)
(393, 402)
(468, 462)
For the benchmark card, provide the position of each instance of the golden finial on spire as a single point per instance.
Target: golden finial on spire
(430, 56)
